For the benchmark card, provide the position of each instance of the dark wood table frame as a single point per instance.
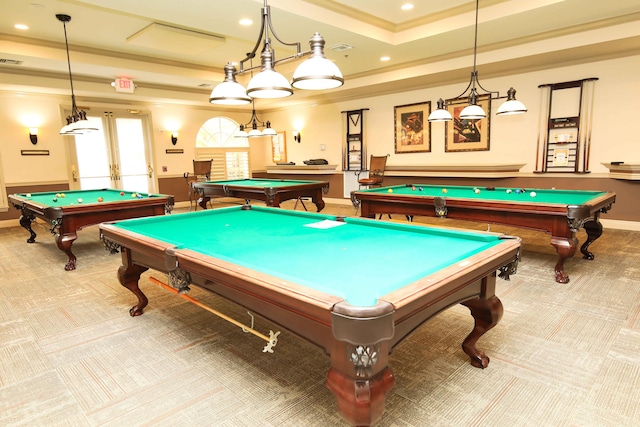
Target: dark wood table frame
(272, 196)
(561, 221)
(357, 339)
(65, 221)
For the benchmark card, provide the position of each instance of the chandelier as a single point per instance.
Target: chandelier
(473, 111)
(77, 122)
(315, 73)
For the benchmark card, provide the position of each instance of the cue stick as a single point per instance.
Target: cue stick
(271, 340)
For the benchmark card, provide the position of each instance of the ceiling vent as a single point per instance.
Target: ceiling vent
(341, 47)
(174, 39)
(10, 61)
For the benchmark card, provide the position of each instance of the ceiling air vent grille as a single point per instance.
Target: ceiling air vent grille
(10, 61)
(341, 47)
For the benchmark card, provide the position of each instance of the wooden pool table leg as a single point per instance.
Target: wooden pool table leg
(360, 395)
(318, 202)
(593, 227)
(64, 242)
(566, 248)
(129, 275)
(486, 314)
(25, 221)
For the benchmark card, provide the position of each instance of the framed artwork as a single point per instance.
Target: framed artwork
(467, 135)
(279, 147)
(412, 129)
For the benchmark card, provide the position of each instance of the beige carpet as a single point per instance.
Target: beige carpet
(70, 355)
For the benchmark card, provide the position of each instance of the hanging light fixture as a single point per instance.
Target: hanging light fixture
(253, 124)
(77, 122)
(473, 111)
(315, 73)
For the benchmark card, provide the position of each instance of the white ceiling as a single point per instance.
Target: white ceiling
(430, 45)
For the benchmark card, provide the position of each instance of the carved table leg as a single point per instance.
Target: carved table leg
(318, 202)
(129, 275)
(594, 230)
(566, 248)
(25, 221)
(64, 242)
(486, 313)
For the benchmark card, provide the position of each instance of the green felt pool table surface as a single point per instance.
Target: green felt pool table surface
(502, 194)
(560, 213)
(279, 245)
(63, 199)
(354, 287)
(270, 191)
(71, 210)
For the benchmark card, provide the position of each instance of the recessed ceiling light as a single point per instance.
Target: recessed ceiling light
(407, 6)
(385, 58)
(246, 21)
(21, 27)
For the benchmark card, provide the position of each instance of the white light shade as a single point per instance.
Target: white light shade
(317, 73)
(229, 93)
(511, 107)
(269, 132)
(472, 112)
(269, 84)
(254, 132)
(440, 115)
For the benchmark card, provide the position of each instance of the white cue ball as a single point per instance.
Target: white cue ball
(532, 194)
(79, 200)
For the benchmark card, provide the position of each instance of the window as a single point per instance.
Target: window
(216, 140)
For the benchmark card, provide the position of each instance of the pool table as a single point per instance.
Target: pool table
(69, 211)
(308, 273)
(270, 191)
(560, 213)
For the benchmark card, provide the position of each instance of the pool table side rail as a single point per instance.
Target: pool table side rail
(307, 312)
(57, 212)
(391, 200)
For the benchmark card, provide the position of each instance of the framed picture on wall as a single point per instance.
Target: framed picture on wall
(467, 135)
(279, 147)
(412, 129)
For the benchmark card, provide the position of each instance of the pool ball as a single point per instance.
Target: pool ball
(413, 188)
(518, 191)
(419, 188)
(491, 188)
(508, 191)
(122, 193)
(100, 199)
(57, 194)
(134, 195)
(79, 200)
(390, 190)
(477, 191)
(62, 195)
(532, 194)
(444, 191)
(28, 194)
(55, 199)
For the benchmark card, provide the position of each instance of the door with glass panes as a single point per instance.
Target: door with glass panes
(117, 156)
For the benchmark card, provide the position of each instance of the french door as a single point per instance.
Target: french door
(117, 156)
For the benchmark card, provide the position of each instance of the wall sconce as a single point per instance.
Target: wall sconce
(297, 136)
(174, 138)
(33, 135)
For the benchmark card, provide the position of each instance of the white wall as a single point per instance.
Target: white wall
(513, 138)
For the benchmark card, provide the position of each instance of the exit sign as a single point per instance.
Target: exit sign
(124, 85)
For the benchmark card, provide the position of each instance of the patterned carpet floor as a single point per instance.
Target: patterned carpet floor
(70, 355)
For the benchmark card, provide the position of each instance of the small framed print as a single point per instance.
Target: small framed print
(467, 135)
(412, 129)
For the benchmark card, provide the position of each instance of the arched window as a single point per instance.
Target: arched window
(217, 140)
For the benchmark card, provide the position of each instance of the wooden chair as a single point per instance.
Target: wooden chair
(201, 172)
(377, 164)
